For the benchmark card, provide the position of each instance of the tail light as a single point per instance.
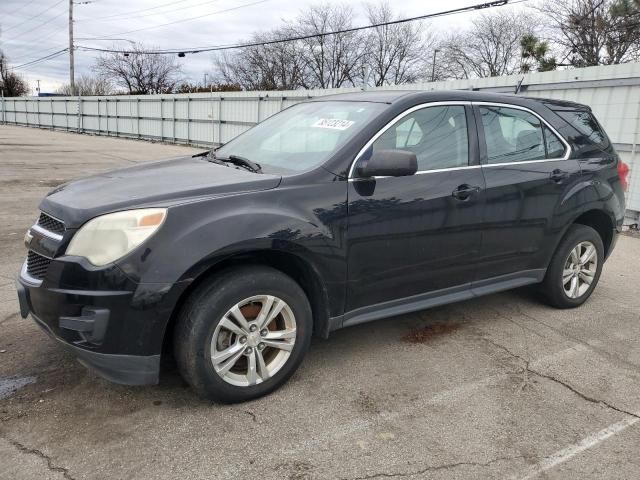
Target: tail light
(623, 171)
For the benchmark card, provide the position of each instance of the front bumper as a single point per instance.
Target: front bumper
(116, 327)
(123, 369)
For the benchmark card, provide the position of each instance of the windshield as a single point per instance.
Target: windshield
(303, 136)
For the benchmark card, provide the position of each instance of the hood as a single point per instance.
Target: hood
(156, 183)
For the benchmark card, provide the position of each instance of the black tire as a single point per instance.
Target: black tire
(552, 286)
(204, 310)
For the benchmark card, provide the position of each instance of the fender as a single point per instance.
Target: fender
(197, 236)
(191, 238)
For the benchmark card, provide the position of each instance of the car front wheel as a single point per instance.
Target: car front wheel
(243, 335)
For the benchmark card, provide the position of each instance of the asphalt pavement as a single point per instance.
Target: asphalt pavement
(501, 387)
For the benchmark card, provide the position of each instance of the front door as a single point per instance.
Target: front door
(528, 174)
(416, 234)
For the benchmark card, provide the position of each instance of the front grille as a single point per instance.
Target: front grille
(49, 223)
(37, 265)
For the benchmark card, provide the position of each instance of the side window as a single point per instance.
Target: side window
(512, 135)
(408, 133)
(587, 126)
(437, 135)
(555, 148)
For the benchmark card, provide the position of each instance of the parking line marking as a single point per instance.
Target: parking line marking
(571, 451)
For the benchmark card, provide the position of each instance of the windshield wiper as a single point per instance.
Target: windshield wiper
(202, 154)
(238, 160)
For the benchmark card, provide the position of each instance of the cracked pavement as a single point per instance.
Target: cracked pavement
(510, 389)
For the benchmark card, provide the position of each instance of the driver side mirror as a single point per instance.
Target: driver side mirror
(389, 163)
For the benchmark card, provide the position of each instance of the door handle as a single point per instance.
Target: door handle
(559, 175)
(464, 191)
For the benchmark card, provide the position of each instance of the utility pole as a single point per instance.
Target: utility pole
(365, 80)
(433, 67)
(72, 81)
(205, 80)
(38, 88)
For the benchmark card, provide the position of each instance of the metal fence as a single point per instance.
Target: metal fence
(613, 92)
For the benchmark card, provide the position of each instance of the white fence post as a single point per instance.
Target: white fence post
(173, 124)
(213, 130)
(220, 120)
(188, 120)
(79, 126)
(138, 116)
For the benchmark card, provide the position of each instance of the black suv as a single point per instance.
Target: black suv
(337, 211)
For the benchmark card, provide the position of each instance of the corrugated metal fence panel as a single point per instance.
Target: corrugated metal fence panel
(205, 118)
(633, 195)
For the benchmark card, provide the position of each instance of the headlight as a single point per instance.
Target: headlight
(107, 238)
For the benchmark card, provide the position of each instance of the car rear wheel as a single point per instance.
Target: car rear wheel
(575, 268)
(243, 335)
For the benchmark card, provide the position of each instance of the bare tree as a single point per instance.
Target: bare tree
(88, 85)
(277, 66)
(395, 54)
(491, 47)
(139, 72)
(595, 32)
(331, 60)
(11, 84)
(316, 61)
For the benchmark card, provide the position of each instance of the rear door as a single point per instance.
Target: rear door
(528, 173)
(416, 234)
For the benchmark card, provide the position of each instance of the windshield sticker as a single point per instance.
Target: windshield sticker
(334, 123)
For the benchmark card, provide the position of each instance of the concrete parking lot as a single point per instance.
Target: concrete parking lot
(497, 387)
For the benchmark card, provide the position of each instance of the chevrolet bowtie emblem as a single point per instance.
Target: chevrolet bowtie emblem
(27, 238)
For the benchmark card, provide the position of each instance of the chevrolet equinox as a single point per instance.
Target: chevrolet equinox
(336, 211)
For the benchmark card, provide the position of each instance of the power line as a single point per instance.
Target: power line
(34, 17)
(38, 26)
(39, 41)
(129, 16)
(22, 6)
(58, 47)
(55, 31)
(185, 19)
(42, 59)
(479, 6)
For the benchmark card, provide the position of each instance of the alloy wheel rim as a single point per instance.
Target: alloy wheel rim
(580, 269)
(253, 340)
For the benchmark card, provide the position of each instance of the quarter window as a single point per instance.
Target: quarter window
(590, 131)
(437, 135)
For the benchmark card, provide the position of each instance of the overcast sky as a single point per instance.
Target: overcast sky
(31, 29)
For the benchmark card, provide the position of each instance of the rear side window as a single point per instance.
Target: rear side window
(587, 126)
(514, 135)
